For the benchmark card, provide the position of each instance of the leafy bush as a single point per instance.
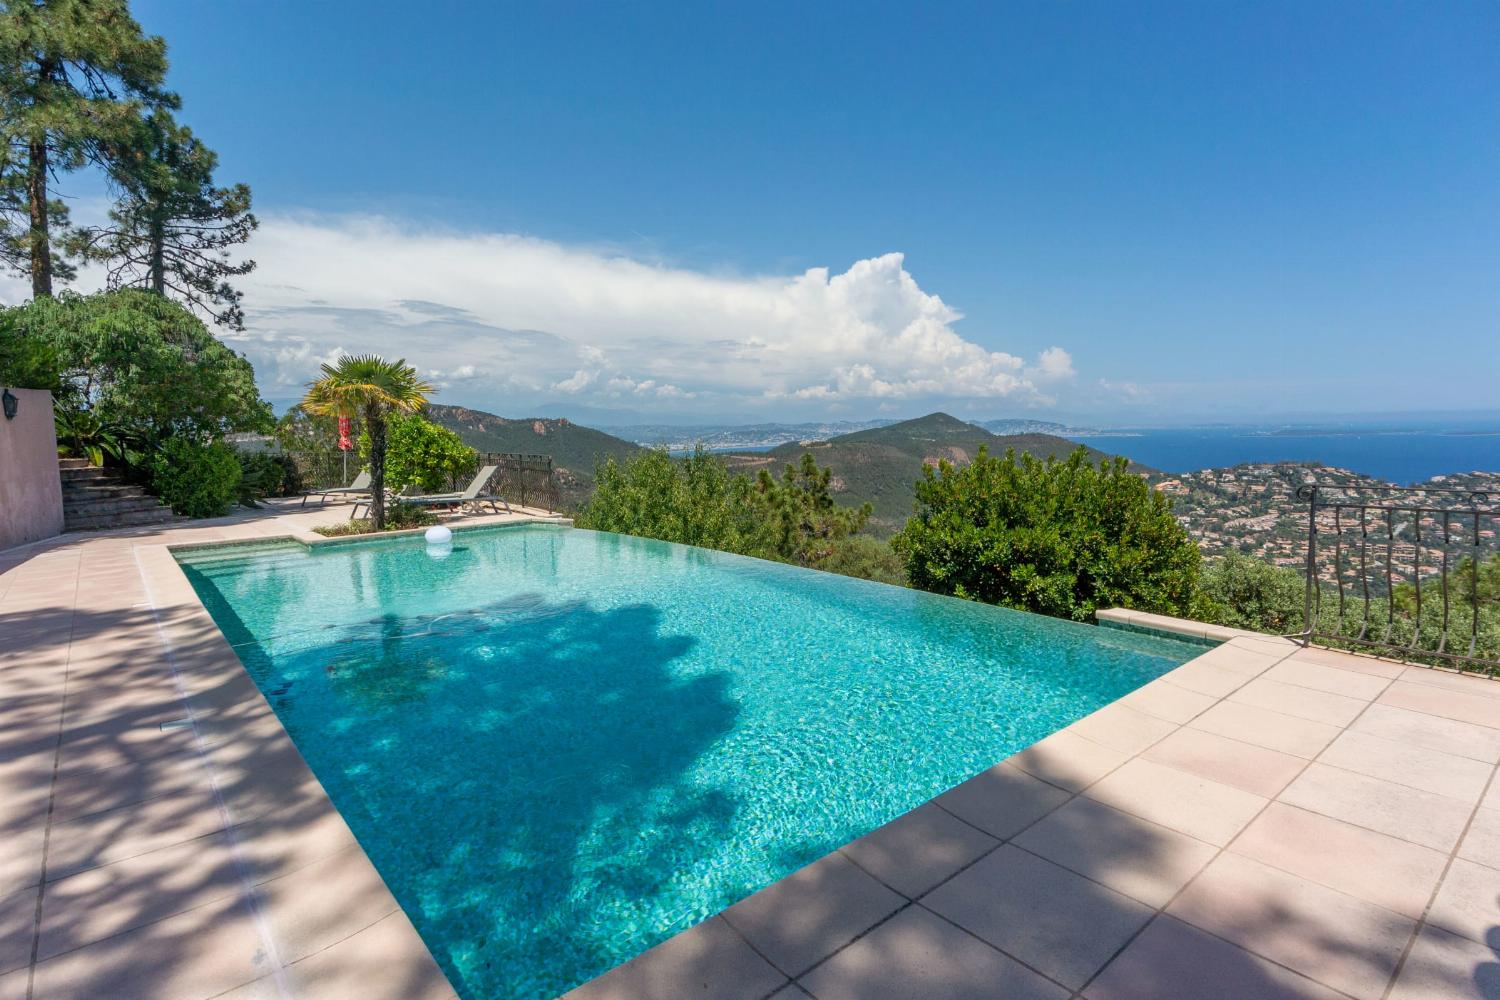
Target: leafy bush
(693, 500)
(397, 518)
(196, 480)
(262, 475)
(1245, 592)
(141, 361)
(27, 361)
(420, 453)
(1062, 538)
(82, 434)
(865, 557)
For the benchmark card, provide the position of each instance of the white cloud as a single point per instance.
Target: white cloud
(511, 317)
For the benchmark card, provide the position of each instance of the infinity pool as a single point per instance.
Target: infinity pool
(560, 747)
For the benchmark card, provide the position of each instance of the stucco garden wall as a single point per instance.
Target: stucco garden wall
(30, 488)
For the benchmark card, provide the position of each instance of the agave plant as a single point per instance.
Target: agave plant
(372, 388)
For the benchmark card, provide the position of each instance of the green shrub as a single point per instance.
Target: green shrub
(1062, 538)
(261, 476)
(397, 518)
(1245, 592)
(420, 453)
(196, 480)
(865, 557)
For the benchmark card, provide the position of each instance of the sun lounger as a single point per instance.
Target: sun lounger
(473, 496)
(359, 488)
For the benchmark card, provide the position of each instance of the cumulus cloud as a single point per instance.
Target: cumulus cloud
(508, 316)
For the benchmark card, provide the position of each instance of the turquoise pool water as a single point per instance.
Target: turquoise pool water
(560, 747)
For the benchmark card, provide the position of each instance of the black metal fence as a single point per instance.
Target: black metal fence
(1403, 572)
(523, 480)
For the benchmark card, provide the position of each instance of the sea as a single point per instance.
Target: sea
(1403, 457)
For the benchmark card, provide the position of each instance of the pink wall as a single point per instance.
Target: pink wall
(30, 488)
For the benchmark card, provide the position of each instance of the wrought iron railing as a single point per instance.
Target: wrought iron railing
(524, 480)
(1401, 571)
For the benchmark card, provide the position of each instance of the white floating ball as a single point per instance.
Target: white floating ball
(439, 535)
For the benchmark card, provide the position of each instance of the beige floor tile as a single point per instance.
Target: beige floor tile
(279, 843)
(1068, 761)
(1168, 701)
(1468, 903)
(1176, 960)
(387, 961)
(1231, 762)
(324, 903)
(1055, 921)
(21, 859)
(1349, 661)
(1477, 710)
(1272, 730)
(1122, 728)
(915, 852)
(791, 991)
(1329, 936)
(1419, 767)
(1484, 687)
(1144, 861)
(1300, 702)
(1482, 843)
(1249, 657)
(17, 928)
(1002, 801)
(1328, 679)
(102, 902)
(810, 914)
(14, 985)
(1393, 873)
(1212, 679)
(187, 957)
(1443, 966)
(1401, 725)
(1203, 809)
(1424, 818)
(917, 954)
(105, 838)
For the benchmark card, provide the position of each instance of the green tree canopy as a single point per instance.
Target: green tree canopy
(75, 76)
(420, 453)
(172, 230)
(141, 362)
(1062, 538)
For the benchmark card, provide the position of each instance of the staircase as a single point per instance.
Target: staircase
(95, 500)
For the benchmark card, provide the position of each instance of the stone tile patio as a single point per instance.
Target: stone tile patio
(1264, 821)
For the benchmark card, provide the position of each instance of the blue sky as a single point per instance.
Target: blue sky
(1214, 210)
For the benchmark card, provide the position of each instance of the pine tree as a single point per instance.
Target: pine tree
(75, 76)
(171, 230)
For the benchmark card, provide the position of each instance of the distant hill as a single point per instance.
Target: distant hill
(882, 464)
(574, 449)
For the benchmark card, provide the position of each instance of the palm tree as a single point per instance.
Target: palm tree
(369, 387)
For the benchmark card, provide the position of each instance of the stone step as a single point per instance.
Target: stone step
(81, 473)
(120, 505)
(103, 522)
(76, 492)
(72, 463)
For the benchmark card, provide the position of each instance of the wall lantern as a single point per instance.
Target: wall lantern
(9, 400)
